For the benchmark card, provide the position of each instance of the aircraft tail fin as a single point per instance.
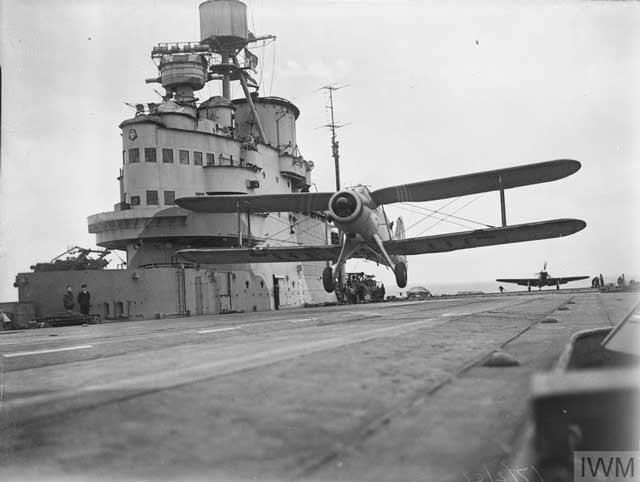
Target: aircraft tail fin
(400, 228)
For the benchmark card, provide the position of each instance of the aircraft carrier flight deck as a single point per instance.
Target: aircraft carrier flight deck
(387, 391)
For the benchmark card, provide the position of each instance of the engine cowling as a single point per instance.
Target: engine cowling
(345, 206)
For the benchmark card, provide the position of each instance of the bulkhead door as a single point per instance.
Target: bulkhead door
(223, 280)
(199, 310)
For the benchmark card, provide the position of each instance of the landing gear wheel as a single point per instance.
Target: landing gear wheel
(401, 275)
(327, 280)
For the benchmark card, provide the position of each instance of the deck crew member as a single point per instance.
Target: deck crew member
(67, 299)
(84, 300)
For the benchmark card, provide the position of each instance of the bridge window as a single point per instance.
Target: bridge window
(152, 198)
(211, 159)
(169, 198)
(197, 158)
(184, 156)
(134, 155)
(150, 154)
(135, 200)
(167, 155)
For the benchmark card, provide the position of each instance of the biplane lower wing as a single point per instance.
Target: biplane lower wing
(477, 182)
(276, 254)
(441, 243)
(304, 202)
(425, 244)
(534, 282)
(570, 278)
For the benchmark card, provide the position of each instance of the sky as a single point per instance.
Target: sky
(432, 89)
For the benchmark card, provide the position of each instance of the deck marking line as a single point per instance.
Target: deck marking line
(208, 370)
(42, 352)
(216, 330)
(369, 314)
(302, 319)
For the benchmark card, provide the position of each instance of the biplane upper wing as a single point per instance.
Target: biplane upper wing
(304, 202)
(274, 254)
(476, 183)
(516, 233)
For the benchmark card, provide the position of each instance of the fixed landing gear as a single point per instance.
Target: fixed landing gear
(328, 281)
(401, 274)
(557, 286)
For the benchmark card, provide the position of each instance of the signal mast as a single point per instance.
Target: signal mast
(333, 126)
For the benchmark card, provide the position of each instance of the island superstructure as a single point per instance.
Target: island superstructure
(183, 146)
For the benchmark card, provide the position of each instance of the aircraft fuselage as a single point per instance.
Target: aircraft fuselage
(363, 222)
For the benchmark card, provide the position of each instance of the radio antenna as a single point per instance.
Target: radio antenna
(335, 145)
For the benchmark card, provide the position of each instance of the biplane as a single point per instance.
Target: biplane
(365, 229)
(543, 278)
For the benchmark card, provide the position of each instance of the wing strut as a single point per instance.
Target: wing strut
(503, 209)
(249, 226)
(239, 210)
(239, 225)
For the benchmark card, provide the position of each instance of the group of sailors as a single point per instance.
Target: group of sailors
(597, 281)
(355, 293)
(84, 300)
(621, 282)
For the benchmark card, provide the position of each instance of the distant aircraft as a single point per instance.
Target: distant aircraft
(366, 230)
(543, 279)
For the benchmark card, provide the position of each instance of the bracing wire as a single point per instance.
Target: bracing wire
(457, 210)
(298, 227)
(261, 66)
(436, 217)
(427, 217)
(273, 68)
(449, 215)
